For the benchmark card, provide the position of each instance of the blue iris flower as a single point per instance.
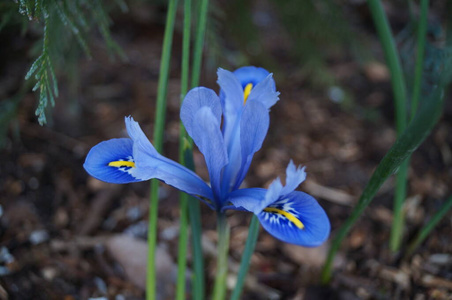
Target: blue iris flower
(228, 130)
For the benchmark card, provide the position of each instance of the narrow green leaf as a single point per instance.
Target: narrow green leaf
(398, 223)
(421, 39)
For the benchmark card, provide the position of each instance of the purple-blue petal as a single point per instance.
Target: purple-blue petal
(98, 158)
(150, 164)
(247, 199)
(231, 92)
(250, 74)
(196, 99)
(294, 177)
(265, 92)
(305, 209)
(207, 136)
(253, 129)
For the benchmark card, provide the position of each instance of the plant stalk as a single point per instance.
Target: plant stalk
(219, 289)
(253, 233)
(160, 113)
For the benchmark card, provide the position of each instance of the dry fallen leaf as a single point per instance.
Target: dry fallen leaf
(131, 253)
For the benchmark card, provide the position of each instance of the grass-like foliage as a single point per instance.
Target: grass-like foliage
(436, 71)
(61, 22)
(437, 64)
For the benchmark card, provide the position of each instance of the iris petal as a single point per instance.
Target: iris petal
(248, 199)
(294, 177)
(265, 92)
(151, 164)
(196, 99)
(148, 163)
(98, 158)
(253, 129)
(250, 74)
(207, 136)
(231, 92)
(296, 218)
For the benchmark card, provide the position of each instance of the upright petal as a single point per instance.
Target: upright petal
(231, 92)
(297, 219)
(196, 99)
(265, 92)
(253, 129)
(112, 161)
(250, 74)
(141, 143)
(294, 177)
(207, 136)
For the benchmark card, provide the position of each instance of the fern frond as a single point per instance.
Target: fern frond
(45, 77)
(103, 21)
(63, 21)
(67, 21)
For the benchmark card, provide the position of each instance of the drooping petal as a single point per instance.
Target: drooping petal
(256, 199)
(207, 136)
(196, 99)
(173, 174)
(130, 160)
(297, 219)
(265, 92)
(250, 74)
(119, 151)
(253, 129)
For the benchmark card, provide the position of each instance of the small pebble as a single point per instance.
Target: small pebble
(38, 237)
(5, 256)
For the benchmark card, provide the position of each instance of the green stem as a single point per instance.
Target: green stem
(420, 237)
(219, 289)
(253, 233)
(160, 113)
(194, 208)
(183, 232)
(406, 144)
(182, 250)
(199, 41)
(194, 211)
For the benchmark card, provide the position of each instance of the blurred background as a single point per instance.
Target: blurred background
(66, 235)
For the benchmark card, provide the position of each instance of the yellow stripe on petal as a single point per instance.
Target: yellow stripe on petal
(121, 163)
(246, 92)
(286, 214)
